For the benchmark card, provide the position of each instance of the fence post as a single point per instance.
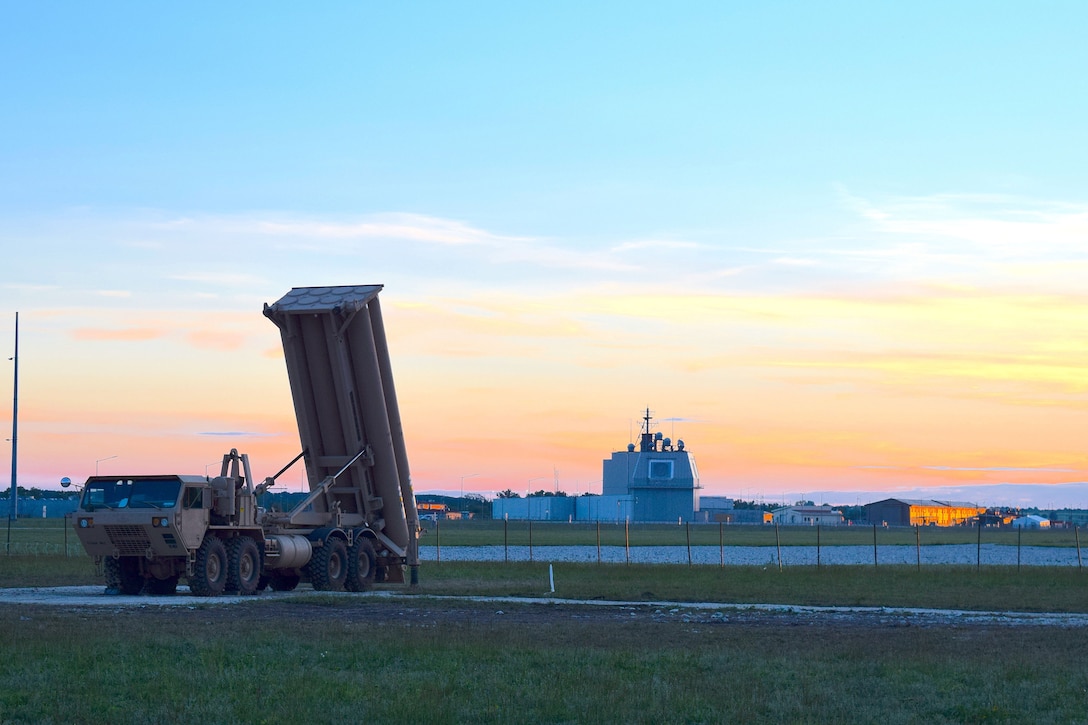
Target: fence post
(778, 545)
(817, 546)
(1076, 532)
(874, 545)
(978, 549)
(918, 545)
(1019, 535)
(598, 541)
(437, 542)
(506, 541)
(687, 527)
(530, 540)
(721, 541)
(627, 539)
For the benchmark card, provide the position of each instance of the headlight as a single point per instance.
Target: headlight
(84, 523)
(158, 522)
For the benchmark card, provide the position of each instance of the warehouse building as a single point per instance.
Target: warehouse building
(921, 512)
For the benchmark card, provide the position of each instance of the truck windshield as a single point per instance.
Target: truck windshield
(153, 493)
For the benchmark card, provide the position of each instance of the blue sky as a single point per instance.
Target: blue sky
(883, 201)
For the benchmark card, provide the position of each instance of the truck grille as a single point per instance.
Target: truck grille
(128, 540)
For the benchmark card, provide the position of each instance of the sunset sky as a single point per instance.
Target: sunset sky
(832, 246)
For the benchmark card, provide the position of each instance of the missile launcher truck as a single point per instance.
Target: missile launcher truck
(357, 525)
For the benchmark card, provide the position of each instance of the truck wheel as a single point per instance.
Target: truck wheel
(210, 570)
(282, 582)
(329, 566)
(163, 587)
(243, 566)
(362, 565)
(122, 576)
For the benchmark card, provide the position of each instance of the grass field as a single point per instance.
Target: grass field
(320, 659)
(517, 533)
(349, 661)
(49, 536)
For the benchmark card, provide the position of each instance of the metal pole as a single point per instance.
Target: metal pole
(437, 541)
(598, 541)
(14, 512)
(687, 526)
(530, 539)
(627, 539)
(506, 540)
(874, 545)
(978, 549)
(918, 545)
(721, 541)
(1076, 533)
(778, 545)
(1019, 535)
(817, 546)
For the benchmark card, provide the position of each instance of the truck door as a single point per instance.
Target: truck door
(194, 517)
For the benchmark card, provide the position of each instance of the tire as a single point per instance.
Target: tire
(163, 587)
(283, 582)
(122, 576)
(209, 577)
(329, 566)
(243, 566)
(362, 565)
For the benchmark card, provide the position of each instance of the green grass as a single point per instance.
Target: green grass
(274, 661)
(1041, 589)
(139, 666)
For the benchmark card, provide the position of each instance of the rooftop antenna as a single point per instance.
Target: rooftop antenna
(647, 440)
(14, 513)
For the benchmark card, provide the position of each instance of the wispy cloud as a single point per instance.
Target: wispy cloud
(238, 433)
(132, 334)
(415, 227)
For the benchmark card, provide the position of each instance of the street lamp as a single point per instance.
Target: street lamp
(467, 475)
(528, 500)
(107, 458)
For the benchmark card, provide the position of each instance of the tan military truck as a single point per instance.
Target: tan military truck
(357, 525)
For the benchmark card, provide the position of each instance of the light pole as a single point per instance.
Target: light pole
(467, 475)
(107, 458)
(528, 500)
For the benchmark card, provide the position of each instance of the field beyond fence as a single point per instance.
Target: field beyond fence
(723, 544)
(686, 543)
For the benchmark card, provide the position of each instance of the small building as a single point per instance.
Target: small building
(807, 516)
(715, 509)
(432, 510)
(921, 512)
(1031, 521)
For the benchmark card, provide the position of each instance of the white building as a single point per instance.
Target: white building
(1031, 521)
(807, 516)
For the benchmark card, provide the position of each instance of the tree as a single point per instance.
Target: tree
(507, 494)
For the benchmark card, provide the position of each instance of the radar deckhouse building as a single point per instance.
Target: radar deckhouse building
(653, 481)
(660, 478)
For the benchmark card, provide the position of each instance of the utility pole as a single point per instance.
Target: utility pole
(14, 513)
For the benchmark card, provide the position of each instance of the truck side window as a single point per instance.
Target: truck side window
(193, 498)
